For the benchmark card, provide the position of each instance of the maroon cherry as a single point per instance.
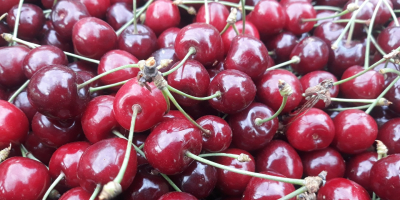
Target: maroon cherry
(337, 3)
(268, 16)
(166, 146)
(165, 10)
(22, 102)
(23, 178)
(167, 37)
(389, 133)
(295, 12)
(11, 61)
(220, 136)
(393, 95)
(345, 56)
(341, 188)
(218, 14)
(229, 34)
(365, 13)
(6, 5)
(329, 32)
(358, 169)
(282, 44)
(388, 39)
(327, 159)
(51, 37)
(141, 44)
(139, 140)
(77, 193)
(352, 125)
(3, 29)
(201, 109)
(39, 149)
(31, 20)
(14, 125)
(177, 196)
(97, 8)
(384, 177)
(280, 157)
(167, 53)
(118, 14)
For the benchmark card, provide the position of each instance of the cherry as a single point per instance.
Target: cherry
(65, 14)
(382, 114)
(337, 3)
(364, 13)
(42, 56)
(100, 164)
(328, 32)
(39, 149)
(197, 179)
(282, 44)
(268, 91)
(52, 38)
(167, 37)
(118, 14)
(237, 91)
(11, 71)
(324, 14)
(177, 196)
(388, 135)
(280, 157)
(23, 178)
(22, 102)
(141, 44)
(269, 17)
(384, 177)
(328, 159)
(259, 188)
(218, 14)
(167, 53)
(79, 66)
(201, 109)
(393, 95)
(208, 45)
(230, 34)
(139, 140)
(167, 144)
(31, 20)
(14, 125)
(77, 193)
(345, 56)
(295, 12)
(388, 39)
(3, 29)
(6, 5)
(87, 32)
(152, 104)
(165, 10)
(355, 131)
(97, 8)
(341, 188)
(358, 169)
(146, 185)
(220, 136)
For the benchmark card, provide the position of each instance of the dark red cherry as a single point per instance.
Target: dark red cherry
(22, 102)
(165, 10)
(384, 177)
(337, 3)
(14, 125)
(220, 133)
(166, 146)
(313, 53)
(79, 66)
(237, 91)
(39, 149)
(152, 105)
(218, 14)
(23, 178)
(358, 169)
(167, 53)
(282, 44)
(231, 183)
(279, 156)
(51, 37)
(383, 14)
(341, 188)
(268, 16)
(118, 14)
(11, 61)
(324, 14)
(6, 5)
(268, 91)
(77, 193)
(383, 114)
(101, 162)
(138, 140)
(259, 188)
(167, 37)
(3, 29)
(31, 20)
(208, 45)
(393, 95)
(229, 34)
(345, 56)
(87, 33)
(328, 159)
(295, 12)
(364, 13)
(329, 32)
(350, 126)
(141, 45)
(389, 135)
(97, 8)
(201, 109)
(41, 57)
(177, 196)
(389, 38)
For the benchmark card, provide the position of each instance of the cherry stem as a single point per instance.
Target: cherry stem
(3, 16)
(294, 60)
(244, 172)
(105, 74)
(134, 18)
(190, 52)
(382, 94)
(225, 28)
(95, 89)
(53, 185)
(15, 32)
(396, 22)
(223, 117)
(168, 102)
(259, 121)
(328, 8)
(20, 89)
(96, 192)
(230, 155)
(369, 34)
(25, 153)
(235, 29)
(349, 108)
(376, 44)
(353, 100)
(190, 10)
(295, 193)
(396, 11)
(207, 12)
(217, 94)
(221, 2)
(328, 17)
(388, 70)
(243, 14)
(360, 21)
(168, 93)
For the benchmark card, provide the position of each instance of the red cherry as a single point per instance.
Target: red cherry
(295, 12)
(218, 14)
(220, 133)
(119, 14)
(141, 45)
(11, 71)
(177, 196)
(51, 37)
(22, 102)
(358, 169)
(97, 8)
(165, 53)
(345, 56)
(138, 140)
(229, 34)
(77, 193)
(165, 10)
(167, 37)
(388, 39)
(337, 3)
(282, 44)
(39, 149)
(269, 17)
(14, 125)
(388, 134)
(329, 32)
(384, 177)
(341, 188)
(6, 5)
(31, 20)
(3, 29)
(327, 159)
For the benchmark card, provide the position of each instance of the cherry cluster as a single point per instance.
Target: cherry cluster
(198, 99)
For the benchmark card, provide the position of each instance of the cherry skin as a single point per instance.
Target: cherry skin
(345, 56)
(388, 135)
(165, 10)
(39, 149)
(141, 45)
(165, 53)
(328, 32)
(388, 39)
(328, 159)
(355, 131)
(14, 125)
(3, 29)
(358, 169)
(11, 61)
(384, 177)
(167, 144)
(167, 37)
(208, 45)
(6, 5)
(152, 105)
(22, 102)
(280, 157)
(97, 8)
(118, 14)
(23, 178)
(269, 17)
(259, 188)
(177, 196)
(227, 37)
(51, 37)
(340, 188)
(282, 44)
(138, 140)
(77, 193)
(220, 136)
(393, 95)
(295, 12)
(218, 14)
(31, 20)
(337, 3)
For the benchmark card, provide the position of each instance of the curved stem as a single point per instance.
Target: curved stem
(190, 52)
(53, 185)
(369, 34)
(219, 154)
(96, 192)
(217, 94)
(225, 28)
(235, 29)
(168, 102)
(388, 70)
(48, 11)
(295, 193)
(377, 46)
(360, 21)
(20, 89)
(382, 94)
(134, 18)
(17, 17)
(244, 172)
(25, 153)
(259, 121)
(396, 22)
(328, 8)
(243, 14)
(328, 17)
(295, 59)
(3, 16)
(95, 89)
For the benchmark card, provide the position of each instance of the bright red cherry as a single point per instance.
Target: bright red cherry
(77, 193)
(328, 159)
(97, 8)
(141, 44)
(389, 134)
(161, 15)
(177, 196)
(341, 188)
(31, 20)
(14, 125)
(384, 177)
(220, 136)
(268, 16)
(11, 61)
(167, 37)
(227, 37)
(388, 39)
(358, 169)
(295, 12)
(218, 14)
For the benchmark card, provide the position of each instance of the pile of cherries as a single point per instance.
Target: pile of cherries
(188, 99)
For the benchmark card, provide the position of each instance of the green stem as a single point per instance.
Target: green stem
(20, 89)
(295, 59)
(388, 70)
(54, 2)
(295, 193)
(25, 153)
(377, 46)
(396, 22)
(168, 102)
(47, 11)
(396, 11)
(328, 17)
(235, 29)
(217, 94)
(3, 16)
(369, 34)
(225, 28)
(259, 121)
(190, 52)
(141, 146)
(16, 25)
(95, 89)
(244, 172)
(53, 185)
(219, 154)
(382, 94)
(221, 2)
(176, 188)
(96, 192)
(360, 21)
(134, 18)
(207, 12)
(349, 108)
(351, 30)
(135, 31)
(353, 100)
(328, 8)
(243, 14)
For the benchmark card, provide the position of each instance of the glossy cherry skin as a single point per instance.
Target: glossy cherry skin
(23, 178)
(208, 45)
(259, 188)
(341, 188)
(167, 37)
(6, 5)
(231, 183)
(147, 185)
(338, 3)
(31, 20)
(166, 146)
(87, 33)
(101, 162)
(218, 14)
(42, 56)
(220, 136)
(280, 157)
(77, 193)
(65, 14)
(14, 125)
(39, 149)
(192, 78)
(118, 14)
(22, 102)
(141, 45)
(355, 131)
(268, 91)
(328, 32)
(384, 177)
(388, 134)
(198, 179)
(313, 53)
(227, 37)
(388, 39)
(328, 159)
(97, 8)
(295, 12)
(11, 71)
(152, 105)
(165, 53)
(177, 196)
(268, 16)
(282, 44)
(358, 169)
(247, 54)
(165, 10)
(51, 37)
(345, 56)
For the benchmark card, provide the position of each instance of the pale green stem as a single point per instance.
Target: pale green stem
(221, 2)
(168, 102)
(396, 22)
(3, 16)
(53, 185)
(20, 89)
(134, 18)
(377, 46)
(328, 17)
(294, 193)
(217, 94)
(369, 34)
(16, 25)
(353, 100)
(47, 11)
(190, 52)
(95, 89)
(219, 154)
(259, 121)
(328, 8)
(349, 108)
(27, 154)
(225, 28)
(235, 29)
(295, 59)
(347, 20)
(243, 14)
(96, 192)
(171, 182)
(382, 94)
